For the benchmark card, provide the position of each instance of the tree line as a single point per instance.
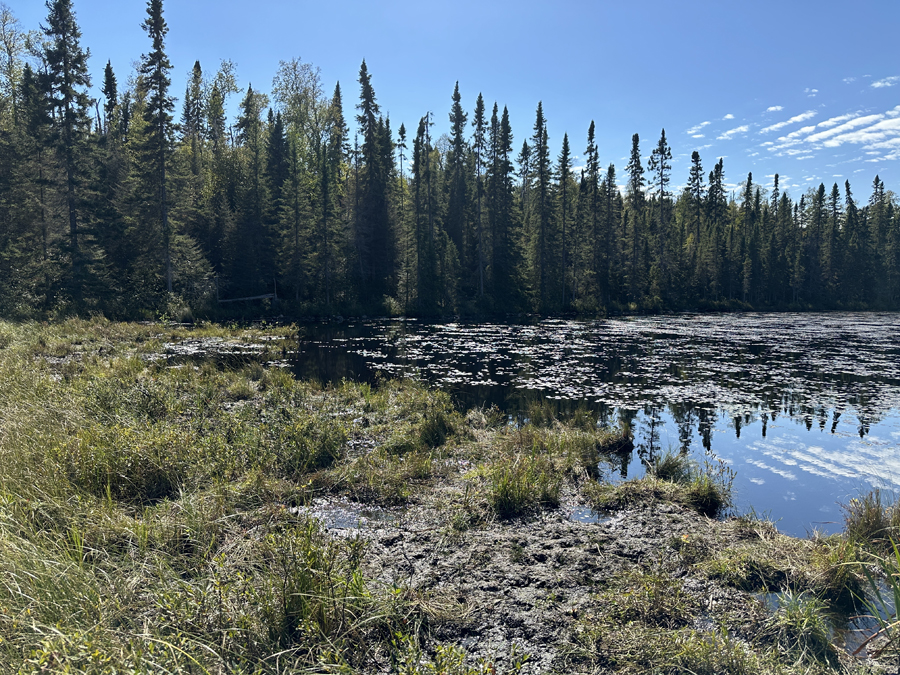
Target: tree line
(129, 207)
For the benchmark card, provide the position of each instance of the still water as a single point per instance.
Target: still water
(804, 407)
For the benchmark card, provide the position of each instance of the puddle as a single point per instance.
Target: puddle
(584, 514)
(348, 516)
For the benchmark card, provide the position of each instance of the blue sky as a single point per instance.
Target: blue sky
(810, 90)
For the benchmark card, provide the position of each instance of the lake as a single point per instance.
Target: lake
(804, 407)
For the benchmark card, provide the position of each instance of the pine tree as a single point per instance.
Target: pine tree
(505, 251)
(406, 231)
(697, 191)
(716, 213)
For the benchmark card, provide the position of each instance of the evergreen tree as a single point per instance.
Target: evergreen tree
(374, 236)
(541, 235)
(457, 194)
(192, 117)
(634, 190)
(478, 146)
(599, 240)
(660, 165)
(110, 93)
(155, 69)
(697, 191)
(564, 172)
(67, 81)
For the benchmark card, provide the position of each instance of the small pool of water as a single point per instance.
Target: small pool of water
(585, 514)
(350, 516)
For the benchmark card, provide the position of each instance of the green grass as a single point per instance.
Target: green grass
(523, 483)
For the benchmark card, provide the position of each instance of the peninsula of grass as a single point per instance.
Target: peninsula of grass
(161, 500)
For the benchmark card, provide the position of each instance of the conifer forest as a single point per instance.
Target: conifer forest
(131, 206)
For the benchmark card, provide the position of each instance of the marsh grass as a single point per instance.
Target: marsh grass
(522, 484)
(800, 628)
(672, 477)
(873, 519)
(144, 520)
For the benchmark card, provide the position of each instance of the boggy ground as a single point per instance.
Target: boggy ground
(171, 500)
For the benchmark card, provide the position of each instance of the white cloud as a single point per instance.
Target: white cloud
(802, 117)
(729, 116)
(731, 132)
(753, 154)
(806, 157)
(767, 143)
(811, 93)
(894, 113)
(774, 108)
(886, 82)
(802, 131)
(836, 120)
(848, 80)
(842, 129)
(697, 136)
(696, 128)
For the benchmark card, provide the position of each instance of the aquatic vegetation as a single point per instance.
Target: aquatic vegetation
(873, 519)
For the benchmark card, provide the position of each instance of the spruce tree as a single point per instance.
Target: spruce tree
(564, 172)
(155, 69)
(110, 93)
(660, 165)
(67, 81)
(634, 191)
(457, 193)
(541, 234)
(478, 147)
(599, 246)
(192, 117)
(697, 191)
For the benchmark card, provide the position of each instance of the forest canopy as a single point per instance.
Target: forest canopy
(132, 206)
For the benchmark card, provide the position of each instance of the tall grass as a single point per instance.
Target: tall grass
(143, 511)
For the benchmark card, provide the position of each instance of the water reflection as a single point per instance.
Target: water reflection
(781, 397)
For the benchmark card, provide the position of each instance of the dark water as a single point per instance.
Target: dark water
(804, 407)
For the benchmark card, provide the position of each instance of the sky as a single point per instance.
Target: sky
(807, 89)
